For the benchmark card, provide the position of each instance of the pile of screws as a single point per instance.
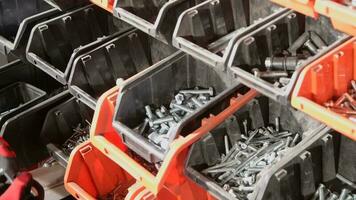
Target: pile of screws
(80, 135)
(322, 193)
(161, 120)
(346, 104)
(257, 149)
(280, 66)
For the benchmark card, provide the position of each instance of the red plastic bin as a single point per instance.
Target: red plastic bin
(170, 181)
(91, 175)
(326, 78)
(305, 7)
(342, 16)
(105, 4)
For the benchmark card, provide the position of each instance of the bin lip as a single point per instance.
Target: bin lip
(226, 42)
(12, 45)
(265, 87)
(50, 69)
(143, 24)
(265, 174)
(75, 90)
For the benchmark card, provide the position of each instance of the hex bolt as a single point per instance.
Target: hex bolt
(311, 47)
(163, 120)
(149, 112)
(282, 63)
(182, 107)
(179, 98)
(269, 74)
(209, 91)
(197, 102)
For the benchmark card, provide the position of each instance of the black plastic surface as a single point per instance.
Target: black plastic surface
(96, 71)
(259, 112)
(55, 43)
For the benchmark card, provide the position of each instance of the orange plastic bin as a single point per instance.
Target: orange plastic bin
(169, 182)
(91, 175)
(305, 7)
(342, 16)
(106, 4)
(327, 78)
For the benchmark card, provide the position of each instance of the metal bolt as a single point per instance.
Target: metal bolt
(344, 194)
(182, 107)
(276, 120)
(149, 112)
(179, 98)
(311, 47)
(209, 91)
(282, 63)
(269, 74)
(163, 120)
(197, 102)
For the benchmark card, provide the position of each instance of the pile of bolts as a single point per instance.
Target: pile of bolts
(161, 120)
(237, 171)
(345, 104)
(280, 67)
(80, 135)
(322, 193)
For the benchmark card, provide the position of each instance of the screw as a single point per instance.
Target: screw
(276, 120)
(197, 102)
(311, 47)
(163, 120)
(245, 126)
(269, 74)
(182, 107)
(226, 142)
(149, 112)
(282, 63)
(344, 194)
(179, 98)
(209, 91)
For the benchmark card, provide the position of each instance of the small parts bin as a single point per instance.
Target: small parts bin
(285, 37)
(342, 16)
(16, 98)
(156, 18)
(327, 79)
(169, 179)
(96, 71)
(208, 30)
(158, 86)
(64, 127)
(91, 175)
(54, 44)
(17, 19)
(257, 113)
(23, 131)
(325, 158)
(106, 4)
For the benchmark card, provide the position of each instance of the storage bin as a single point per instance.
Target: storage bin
(275, 39)
(324, 79)
(209, 30)
(96, 71)
(55, 43)
(257, 113)
(17, 21)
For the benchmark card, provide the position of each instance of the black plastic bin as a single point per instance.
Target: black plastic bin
(250, 51)
(158, 86)
(209, 30)
(96, 71)
(259, 112)
(67, 4)
(59, 126)
(156, 18)
(17, 97)
(23, 131)
(17, 17)
(55, 43)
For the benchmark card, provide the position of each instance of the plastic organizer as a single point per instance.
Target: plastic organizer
(23, 131)
(259, 112)
(208, 31)
(251, 50)
(17, 21)
(326, 78)
(156, 18)
(55, 43)
(60, 124)
(96, 71)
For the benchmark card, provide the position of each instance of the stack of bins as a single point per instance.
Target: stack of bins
(324, 79)
(251, 51)
(55, 43)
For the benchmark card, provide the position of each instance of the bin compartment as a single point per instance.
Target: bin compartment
(271, 58)
(96, 71)
(250, 141)
(23, 131)
(55, 43)
(17, 21)
(208, 30)
(91, 175)
(156, 18)
(16, 98)
(157, 87)
(327, 79)
(66, 126)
